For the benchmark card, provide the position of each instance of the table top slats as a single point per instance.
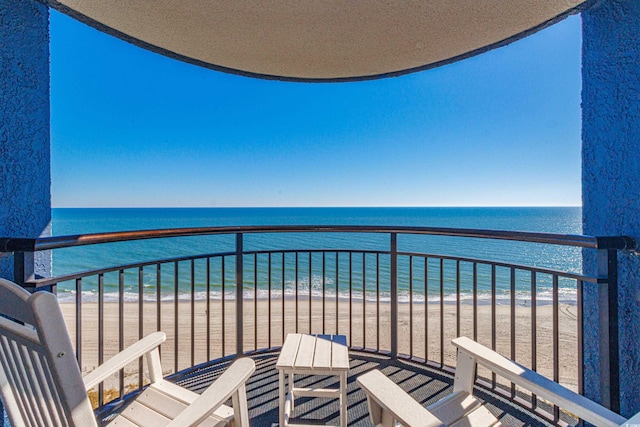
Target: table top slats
(322, 357)
(306, 350)
(289, 351)
(339, 352)
(314, 352)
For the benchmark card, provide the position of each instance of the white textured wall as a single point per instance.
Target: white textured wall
(611, 173)
(25, 179)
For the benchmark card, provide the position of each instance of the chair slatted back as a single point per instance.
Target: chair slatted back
(40, 382)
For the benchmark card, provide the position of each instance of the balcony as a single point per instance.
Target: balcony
(399, 297)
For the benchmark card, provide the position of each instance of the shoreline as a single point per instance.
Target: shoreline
(466, 298)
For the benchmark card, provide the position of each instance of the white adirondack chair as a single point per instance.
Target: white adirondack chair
(41, 383)
(389, 404)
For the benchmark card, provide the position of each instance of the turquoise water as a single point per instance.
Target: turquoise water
(561, 220)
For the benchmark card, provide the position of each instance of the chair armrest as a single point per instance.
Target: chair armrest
(538, 384)
(216, 394)
(389, 400)
(635, 420)
(126, 356)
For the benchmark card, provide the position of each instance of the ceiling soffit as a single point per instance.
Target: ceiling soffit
(319, 40)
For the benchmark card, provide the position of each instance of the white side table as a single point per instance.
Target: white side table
(313, 355)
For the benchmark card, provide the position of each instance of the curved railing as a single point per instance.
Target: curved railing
(392, 298)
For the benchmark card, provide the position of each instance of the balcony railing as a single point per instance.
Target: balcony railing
(391, 298)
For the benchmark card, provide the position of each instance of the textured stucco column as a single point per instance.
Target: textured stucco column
(25, 178)
(611, 175)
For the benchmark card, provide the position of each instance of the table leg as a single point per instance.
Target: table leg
(292, 385)
(281, 396)
(343, 399)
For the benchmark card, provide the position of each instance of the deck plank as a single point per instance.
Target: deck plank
(425, 384)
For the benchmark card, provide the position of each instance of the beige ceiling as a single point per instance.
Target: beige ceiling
(319, 39)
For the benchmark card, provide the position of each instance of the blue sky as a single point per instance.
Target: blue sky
(132, 128)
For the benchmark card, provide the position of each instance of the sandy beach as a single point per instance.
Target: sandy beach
(368, 318)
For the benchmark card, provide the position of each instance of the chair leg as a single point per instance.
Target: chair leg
(240, 407)
(281, 397)
(375, 411)
(379, 416)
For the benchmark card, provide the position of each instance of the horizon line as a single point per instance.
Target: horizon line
(321, 207)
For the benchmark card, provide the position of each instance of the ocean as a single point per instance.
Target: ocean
(67, 221)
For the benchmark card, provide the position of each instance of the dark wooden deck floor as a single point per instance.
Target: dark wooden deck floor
(424, 384)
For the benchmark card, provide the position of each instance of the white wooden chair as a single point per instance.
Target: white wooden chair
(389, 404)
(41, 383)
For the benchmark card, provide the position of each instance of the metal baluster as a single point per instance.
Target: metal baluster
(121, 327)
(176, 331)
(79, 321)
(222, 301)
(378, 301)
(457, 298)
(158, 297)
(534, 332)
(441, 312)
(310, 291)
(255, 301)
(475, 301)
(556, 342)
(100, 334)
(297, 292)
(364, 300)
(580, 319)
(580, 339)
(208, 320)
(283, 308)
(411, 306)
(324, 291)
(394, 294)
(239, 294)
(493, 318)
(269, 299)
(193, 312)
(350, 299)
(426, 308)
(337, 293)
(140, 323)
(513, 324)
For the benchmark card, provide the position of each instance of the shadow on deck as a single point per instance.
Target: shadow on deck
(426, 385)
